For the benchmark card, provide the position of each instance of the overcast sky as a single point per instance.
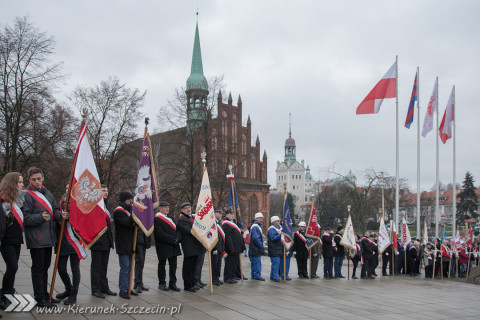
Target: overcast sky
(314, 59)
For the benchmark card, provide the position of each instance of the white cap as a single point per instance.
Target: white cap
(274, 218)
(302, 224)
(258, 215)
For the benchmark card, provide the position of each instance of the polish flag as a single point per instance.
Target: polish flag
(432, 107)
(445, 130)
(385, 88)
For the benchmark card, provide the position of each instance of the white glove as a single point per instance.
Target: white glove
(294, 254)
(215, 252)
(314, 254)
(386, 253)
(396, 253)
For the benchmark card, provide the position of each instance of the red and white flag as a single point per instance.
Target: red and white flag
(383, 238)
(470, 236)
(432, 107)
(384, 89)
(393, 234)
(406, 238)
(445, 130)
(87, 210)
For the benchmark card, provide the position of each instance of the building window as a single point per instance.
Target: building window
(252, 207)
(244, 144)
(244, 168)
(253, 175)
(214, 140)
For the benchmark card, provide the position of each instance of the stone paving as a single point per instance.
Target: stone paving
(401, 297)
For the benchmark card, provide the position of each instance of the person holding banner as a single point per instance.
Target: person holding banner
(327, 252)
(233, 247)
(300, 251)
(12, 197)
(124, 232)
(40, 211)
(256, 250)
(357, 257)
(192, 248)
(275, 247)
(339, 253)
(316, 252)
(100, 252)
(218, 251)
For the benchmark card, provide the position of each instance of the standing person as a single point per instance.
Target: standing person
(275, 247)
(167, 247)
(428, 257)
(143, 243)
(316, 252)
(412, 257)
(339, 252)
(192, 248)
(387, 261)
(400, 259)
(124, 231)
(327, 252)
(367, 256)
(446, 256)
(256, 249)
(357, 257)
(40, 211)
(12, 197)
(462, 260)
(67, 251)
(374, 260)
(233, 247)
(218, 251)
(300, 251)
(100, 252)
(246, 240)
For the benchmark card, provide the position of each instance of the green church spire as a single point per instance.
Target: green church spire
(197, 80)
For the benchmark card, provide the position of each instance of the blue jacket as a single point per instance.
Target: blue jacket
(256, 241)
(275, 245)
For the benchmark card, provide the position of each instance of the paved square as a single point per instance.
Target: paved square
(390, 298)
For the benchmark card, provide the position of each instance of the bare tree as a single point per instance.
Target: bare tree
(27, 79)
(113, 116)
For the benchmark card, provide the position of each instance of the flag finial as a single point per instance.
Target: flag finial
(204, 156)
(230, 167)
(84, 114)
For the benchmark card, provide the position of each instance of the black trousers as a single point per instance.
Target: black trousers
(302, 267)
(62, 271)
(98, 270)
(10, 254)
(217, 266)
(428, 271)
(355, 264)
(231, 265)
(411, 266)
(314, 265)
(400, 263)
(366, 269)
(41, 259)
(140, 253)
(446, 269)
(386, 260)
(188, 271)
(198, 267)
(172, 271)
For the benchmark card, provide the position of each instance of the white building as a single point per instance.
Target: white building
(298, 180)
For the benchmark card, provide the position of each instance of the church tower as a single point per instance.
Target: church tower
(290, 148)
(197, 89)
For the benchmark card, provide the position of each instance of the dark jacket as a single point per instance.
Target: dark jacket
(124, 229)
(367, 248)
(274, 240)
(233, 239)
(105, 242)
(166, 243)
(340, 250)
(256, 241)
(12, 231)
(327, 247)
(38, 232)
(299, 246)
(190, 245)
(143, 240)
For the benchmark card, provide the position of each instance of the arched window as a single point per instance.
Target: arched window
(253, 169)
(244, 168)
(214, 139)
(244, 144)
(252, 207)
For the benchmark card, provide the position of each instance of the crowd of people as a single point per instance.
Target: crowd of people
(33, 214)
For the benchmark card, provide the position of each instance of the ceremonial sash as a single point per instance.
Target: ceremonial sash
(301, 236)
(233, 225)
(445, 252)
(220, 230)
(337, 235)
(16, 211)
(43, 201)
(109, 215)
(276, 229)
(77, 244)
(167, 220)
(121, 209)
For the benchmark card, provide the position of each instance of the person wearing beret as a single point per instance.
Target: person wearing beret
(191, 247)
(167, 247)
(327, 252)
(339, 253)
(218, 251)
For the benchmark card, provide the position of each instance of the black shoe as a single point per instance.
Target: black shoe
(315, 276)
(63, 295)
(45, 304)
(145, 288)
(216, 283)
(138, 289)
(124, 295)
(370, 278)
(275, 280)
(221, 282)
(110, 293)
(331, 277)
(288, 279)
(259, 279)
(99, 295)
(70, 300)
(192, 289)
(245, 278)
(55, 300)
(163, 287)
(341, 277)
(174, 287)
(237, 278)
(197, 287)
(202, 284)
(231, 281)
(133, 293)
(354, 277)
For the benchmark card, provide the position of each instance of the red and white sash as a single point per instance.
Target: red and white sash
(220, 231)
(301, 236)
(16, 211)
(445, 252)
(233, 225)
(279, 230)
(77, 244)
(121, 209)
(167, 220)
(43, 201)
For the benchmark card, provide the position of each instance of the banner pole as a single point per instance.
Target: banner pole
(348, 266)
(310, 265)
(434, 260)
(284, 266)
(210, 270)
(132, 264)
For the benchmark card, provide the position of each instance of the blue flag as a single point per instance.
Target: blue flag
(443, 235)
(231, 195)
(287, 231)
(411, 108)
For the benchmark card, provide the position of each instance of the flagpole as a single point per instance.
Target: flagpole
(437, 187)
(393, 249)
(454, 192)
(397, 200)
(234, 193)
(62, 226)
(284, 249)
(418, 154)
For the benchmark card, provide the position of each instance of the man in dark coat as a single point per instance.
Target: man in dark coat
(167, 247)
(327, 252)
(219, 250)
(367, 255)
(192, 248)
(233, 246)
(300, 251)
(40, 212)
(124, 232)
(275, 247)
(339, 253)
(100, 252)
(143, 243)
